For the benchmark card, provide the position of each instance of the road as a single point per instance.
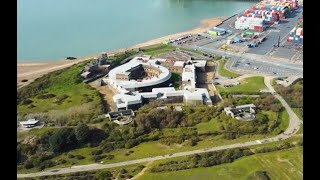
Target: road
(267, 65)
(294, 125)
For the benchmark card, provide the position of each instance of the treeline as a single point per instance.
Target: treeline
(120, 174)
(282, 146)
(293, 94)
(203, 160)
(209, 159)
(39, 152)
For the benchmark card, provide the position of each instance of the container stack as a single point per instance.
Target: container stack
(270, 11)
(296, 34)
(253, 23)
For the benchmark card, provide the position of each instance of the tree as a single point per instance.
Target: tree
(18, 156)
(82, 133)
(62, 140)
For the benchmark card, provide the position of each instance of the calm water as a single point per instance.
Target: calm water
(55, 29)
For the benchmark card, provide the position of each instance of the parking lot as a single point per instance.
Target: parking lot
(261, 68)
(185, 41)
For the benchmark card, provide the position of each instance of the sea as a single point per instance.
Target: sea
(50, 30)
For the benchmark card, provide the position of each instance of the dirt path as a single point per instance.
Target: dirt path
(107, 95)
(143, 170)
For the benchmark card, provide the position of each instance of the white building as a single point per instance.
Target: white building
(129, 98)
(29, 123)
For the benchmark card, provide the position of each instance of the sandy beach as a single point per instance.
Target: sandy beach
(33, 70)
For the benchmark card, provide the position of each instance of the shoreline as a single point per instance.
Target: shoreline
(34, 69)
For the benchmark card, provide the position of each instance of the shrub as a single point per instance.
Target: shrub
(70, 156)
(96, 152)
(62, 161)
(82, 133)
(123, 171)
(62, 140)
(26, 102)
(98, 157)
(46, 96)
(28, 164)
(60, 99)
(79, 157)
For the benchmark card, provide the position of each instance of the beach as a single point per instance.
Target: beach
(32, 70)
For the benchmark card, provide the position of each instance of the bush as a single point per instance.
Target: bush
(79, 157)
(28, 164)
(130, 143)
(70, 156)
(60, 99)
(46, 164)
(96, 152)
(82, 133)
(26, 102)
(104, 175)
(62, 161)
(46, 96)
(123, 171)
(98, 157)
(62, 140)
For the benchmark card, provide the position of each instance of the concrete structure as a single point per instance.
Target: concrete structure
(129, 88)
(189, 76)
(243, 112)
(118, 114)
(29, 123)
(98, 65)
(156, 74)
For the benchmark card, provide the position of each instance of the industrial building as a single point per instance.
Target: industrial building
(217, 31)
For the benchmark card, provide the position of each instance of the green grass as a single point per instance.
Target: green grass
(248, 85)
(300, 130)
(284, 164)
(223, 72)
(147, 149)
(206, 127)
(297, 111)
(61, 82)
(157, 49)
(284, 116)
(176, 78)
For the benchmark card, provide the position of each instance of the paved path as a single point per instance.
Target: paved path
(294, 125)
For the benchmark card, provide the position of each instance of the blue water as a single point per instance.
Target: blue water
(55, 29)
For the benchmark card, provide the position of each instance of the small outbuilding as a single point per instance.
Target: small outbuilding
(29, 123)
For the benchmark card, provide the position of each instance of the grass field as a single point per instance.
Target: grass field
(157, 49)
(69, 91)
(143, 150)
(223, 72)
(300, 130)
(205, 127)
(284, 164)
(248, 85)
(297, 111)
